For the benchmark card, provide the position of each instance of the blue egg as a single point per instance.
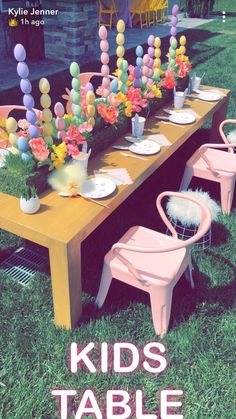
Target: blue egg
(22, 70)
(33, 131)
(31, 117)
(139, 51)
(22, 144)
(25, 86)
(139, 61)
(19, 52)
(25, 156)
(28, 101)
(114, 85)
(137, 72)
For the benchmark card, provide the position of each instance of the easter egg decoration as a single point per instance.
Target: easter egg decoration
(124, 76)
(25, 85)
(138, 68)
(151, 52)
(173, 42)
(105, 70)
(11, 127)
(157, 60)
(22, 144)
(45, 100)
(76, 96)
(90, 99)
(120, 51)
(60, 122)
(182, 48)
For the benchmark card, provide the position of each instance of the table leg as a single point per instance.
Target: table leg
(65, 263)
(218, 117)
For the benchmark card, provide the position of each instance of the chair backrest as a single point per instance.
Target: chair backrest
(221, 129)
(109, 6)
(86, 77)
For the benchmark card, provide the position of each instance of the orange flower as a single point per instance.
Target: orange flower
(108, 113)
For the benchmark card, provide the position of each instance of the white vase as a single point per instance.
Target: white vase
(29, 206)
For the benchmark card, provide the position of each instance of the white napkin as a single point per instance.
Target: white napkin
(119, 176)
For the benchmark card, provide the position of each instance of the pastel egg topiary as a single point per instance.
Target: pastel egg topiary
(13, 138)
(59, 109)
(76, 98)
(104, 45)
(77, 110)
(22, 70)
(11, 124)
(22, 144)
(182, 40)
(74, 69)
(44, 86)
(91, 110)
(120, 39)
(25, 86)
(25, 157)
(47, 115)
(120, 51)
(76, 84)
(31, 116)
(120, 26)
(157, 42)
(47, 129)
(102, 32)
(28, 101)
(139, 51)
(90, 98)
(19, 52)
(45, 101)
(33, 131)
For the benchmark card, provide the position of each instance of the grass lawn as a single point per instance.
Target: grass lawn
(200, 345)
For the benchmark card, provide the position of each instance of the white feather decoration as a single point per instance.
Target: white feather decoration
(68, 179)
(188, 213)
(231, 137)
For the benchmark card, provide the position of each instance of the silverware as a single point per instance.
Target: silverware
(67, 195)
(162, 118)
(120, 147)
(134, 157)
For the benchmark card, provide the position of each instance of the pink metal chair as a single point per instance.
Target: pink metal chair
(86, 77)
(4, 114)
(211, 163)
(153, 262)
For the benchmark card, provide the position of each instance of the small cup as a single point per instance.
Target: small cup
(197, 83)
(138, 126)
(179, 98)
(82, 159)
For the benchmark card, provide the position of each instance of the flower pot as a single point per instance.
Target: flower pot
(182, 83)
(29, 206)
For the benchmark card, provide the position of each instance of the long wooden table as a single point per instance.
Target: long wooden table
(63, 223)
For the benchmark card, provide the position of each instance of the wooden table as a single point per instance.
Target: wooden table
(63, 223)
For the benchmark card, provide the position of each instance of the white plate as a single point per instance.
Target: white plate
(98, 187)
(182, 118)
(209, 96)
(145, 147)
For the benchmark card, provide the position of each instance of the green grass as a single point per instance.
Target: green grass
(200, 343)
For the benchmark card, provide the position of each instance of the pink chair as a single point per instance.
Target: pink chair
(86, 77)
(4, 114)
(211, 163)
(153, 262)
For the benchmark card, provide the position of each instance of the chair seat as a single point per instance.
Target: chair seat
(223, 161)
(158, 268)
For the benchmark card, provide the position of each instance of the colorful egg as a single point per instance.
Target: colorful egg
(91, 121)
(137, 72)
(114, 86)
(182, 49)
(157, 53)
(124, 88)
(157, 63)
(120, 26)
(151, 51)
(47, 115)
(119, 62)
(22, 144)
(120, 52)
(105, 58)
(174, 43)
(120, 39)
(76, 84)
(124, 78)
(76, 98)
(172, 62)
(90, 98)
(13, 138)
(28, 101)
(89, 85)
(74, 69)
(59, 109)
(33, 131)
(25, 86)
(48, 129)
(45, 101)
(19, 52)
(173, 31)
(106, 82)
(44, 86)
(145, 70)
(77, 110)
(124, 66)
(157, 42)
(22, 70)
(172, 53)
(11, 125)
(174, 20)
(60, 124)
(146, 59)
(31, 116)
(139, 61)
(91, 110)
(139, 51)
(106, 92)
(102, 32)
(25, 157)
(151, 40)
(182, 40)
(137, 83)
(104, 45)
(105, 70)
(175, 10)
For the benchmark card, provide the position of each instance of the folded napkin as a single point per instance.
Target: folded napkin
(119, 176)
(158, 138)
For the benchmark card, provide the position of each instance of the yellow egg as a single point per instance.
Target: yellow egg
(157, 52)
(182, 50)
(119, 74)
(90, 98)
(157, 63)
(45, 101)
(120, 52)
(47, 129)
(47, 115)
(91, 110)
(182, 40)
(157, 42)
(120, 39)
(91, 121)
(119, 62)
(44, 86)
(11, 125)
(120, 26)
(13, 138)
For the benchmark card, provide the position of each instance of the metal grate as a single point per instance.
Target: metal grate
(23, 264)
(185, 233)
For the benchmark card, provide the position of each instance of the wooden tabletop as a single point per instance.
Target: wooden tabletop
(62, 219)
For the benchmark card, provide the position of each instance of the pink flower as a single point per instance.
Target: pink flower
(72, 149)
(85, 127)
(114, 101)
(73, 134)
(39, 149)
(134, 96)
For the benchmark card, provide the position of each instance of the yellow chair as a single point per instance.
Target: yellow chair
(152, 13)
(141, 9)
(106, 10)
(161, 9)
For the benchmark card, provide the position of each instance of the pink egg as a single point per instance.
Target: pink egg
(145, 70)
(173, 31)
(146, 59)
(61, 135)
(105, 70)
(104, 45)
(60, 124)
(151, 51)
(151, 62)
(151, 40)
(106, 93)
(59, 109)
(102, 32)
(175, 10)
(104, 58)
(174, 20)
(106, 82)
(144, 80)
